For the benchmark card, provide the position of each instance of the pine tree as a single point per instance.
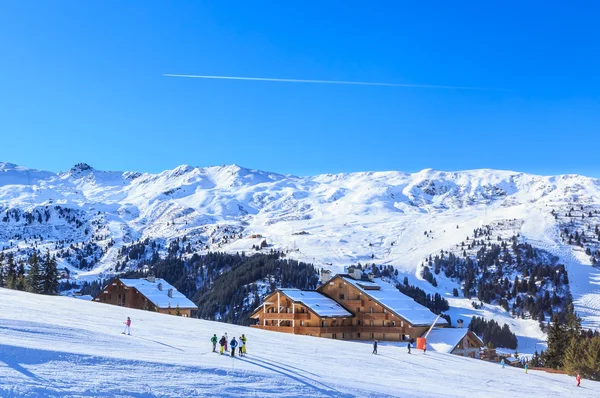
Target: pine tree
(2, 276)
(21, 283)
(35, 282)
(573, 356)
(50, 275)
(11, 272)
(558, 340)
(591, 361)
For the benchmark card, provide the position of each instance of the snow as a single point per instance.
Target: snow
(367, 217)
(397, 302)
(444, 340)
(60, 347)
(317, 302)
(159, 298)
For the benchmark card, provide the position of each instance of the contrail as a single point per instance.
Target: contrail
(272, 79)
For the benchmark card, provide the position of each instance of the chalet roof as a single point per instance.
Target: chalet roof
(392, 299)
(319, 303)
(159, 298)
(445, 339)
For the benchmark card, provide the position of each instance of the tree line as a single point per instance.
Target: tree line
(40, 276)
(492, 334)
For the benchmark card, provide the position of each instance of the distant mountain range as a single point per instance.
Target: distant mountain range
(332, 220)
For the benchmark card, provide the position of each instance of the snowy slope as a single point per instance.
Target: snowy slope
(63, 347)
(333, 220)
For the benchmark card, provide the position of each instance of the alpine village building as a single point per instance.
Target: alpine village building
(152, 294)
(353, 307)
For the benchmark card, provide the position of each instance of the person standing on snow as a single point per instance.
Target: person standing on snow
(244, 339)
(241, 347)
(502, 363)
(226, 348)
(222, 342)
(127, 326)
(233, 344)
(213, 340)
(374, 346)
(526, 368)
(408, 347)
(578, 378)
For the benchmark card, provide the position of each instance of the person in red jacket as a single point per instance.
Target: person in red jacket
(578, 378)
(127, 326)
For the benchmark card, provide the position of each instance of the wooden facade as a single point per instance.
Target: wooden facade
(469, 346)
(370, 319)
(117, 293)
(279, 312)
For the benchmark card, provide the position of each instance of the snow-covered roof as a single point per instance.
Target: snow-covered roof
(445, 339)
(392, 299)
(317, 302)
(159, 298)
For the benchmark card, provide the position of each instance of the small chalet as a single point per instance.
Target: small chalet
(152, 294)
(456, 341)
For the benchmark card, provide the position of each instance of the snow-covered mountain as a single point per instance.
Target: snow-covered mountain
(87, 216)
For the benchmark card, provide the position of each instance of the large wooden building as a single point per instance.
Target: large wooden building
(153, 294)
(346, 308)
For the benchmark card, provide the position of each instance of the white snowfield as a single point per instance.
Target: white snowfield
(332, 220)
(63, 347)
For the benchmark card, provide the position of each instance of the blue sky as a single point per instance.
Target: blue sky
(83, 82)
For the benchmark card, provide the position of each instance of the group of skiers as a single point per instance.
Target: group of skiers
(233, 344)
(241, 346)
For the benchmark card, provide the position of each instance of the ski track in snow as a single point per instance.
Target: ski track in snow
(62, 347)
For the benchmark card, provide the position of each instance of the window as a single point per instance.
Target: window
(393, 323)
(372, 323)
(343, 335)
(384, 336)
(384, 311)
(371, 311)
(358, 309)
(341, 285)
(341, 296)
(323, 324)
(358, 335)
(334, 336)
(402, 324)
(358, 322)
(372, 335)
(301, 323)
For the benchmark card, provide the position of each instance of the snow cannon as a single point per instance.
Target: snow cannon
(421, 342)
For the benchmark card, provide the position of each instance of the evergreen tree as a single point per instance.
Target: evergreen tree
(11, 272)
(2, 276)
(50, 275)
(34, 277)
(21, 283)
(558, 340)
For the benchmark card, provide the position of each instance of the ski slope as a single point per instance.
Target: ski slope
(63, 347)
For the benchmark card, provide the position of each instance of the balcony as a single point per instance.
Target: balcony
(285, 316)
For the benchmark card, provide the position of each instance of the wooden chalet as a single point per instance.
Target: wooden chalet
(153, 294)
(456, 341)
(303, 312)
(346, 308)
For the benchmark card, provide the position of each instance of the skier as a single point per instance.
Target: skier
(213, 340)
(233, 344)
(578, 378)
(408, 347)
(241, 347)
(222, 343)
(244, 339)
(226, 347)
(502, 363)
(526, 368)
(127, 326)
(374, 346)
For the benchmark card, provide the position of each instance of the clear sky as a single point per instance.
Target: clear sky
(82, 81)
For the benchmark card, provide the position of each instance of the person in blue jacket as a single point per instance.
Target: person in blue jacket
(232, 345)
